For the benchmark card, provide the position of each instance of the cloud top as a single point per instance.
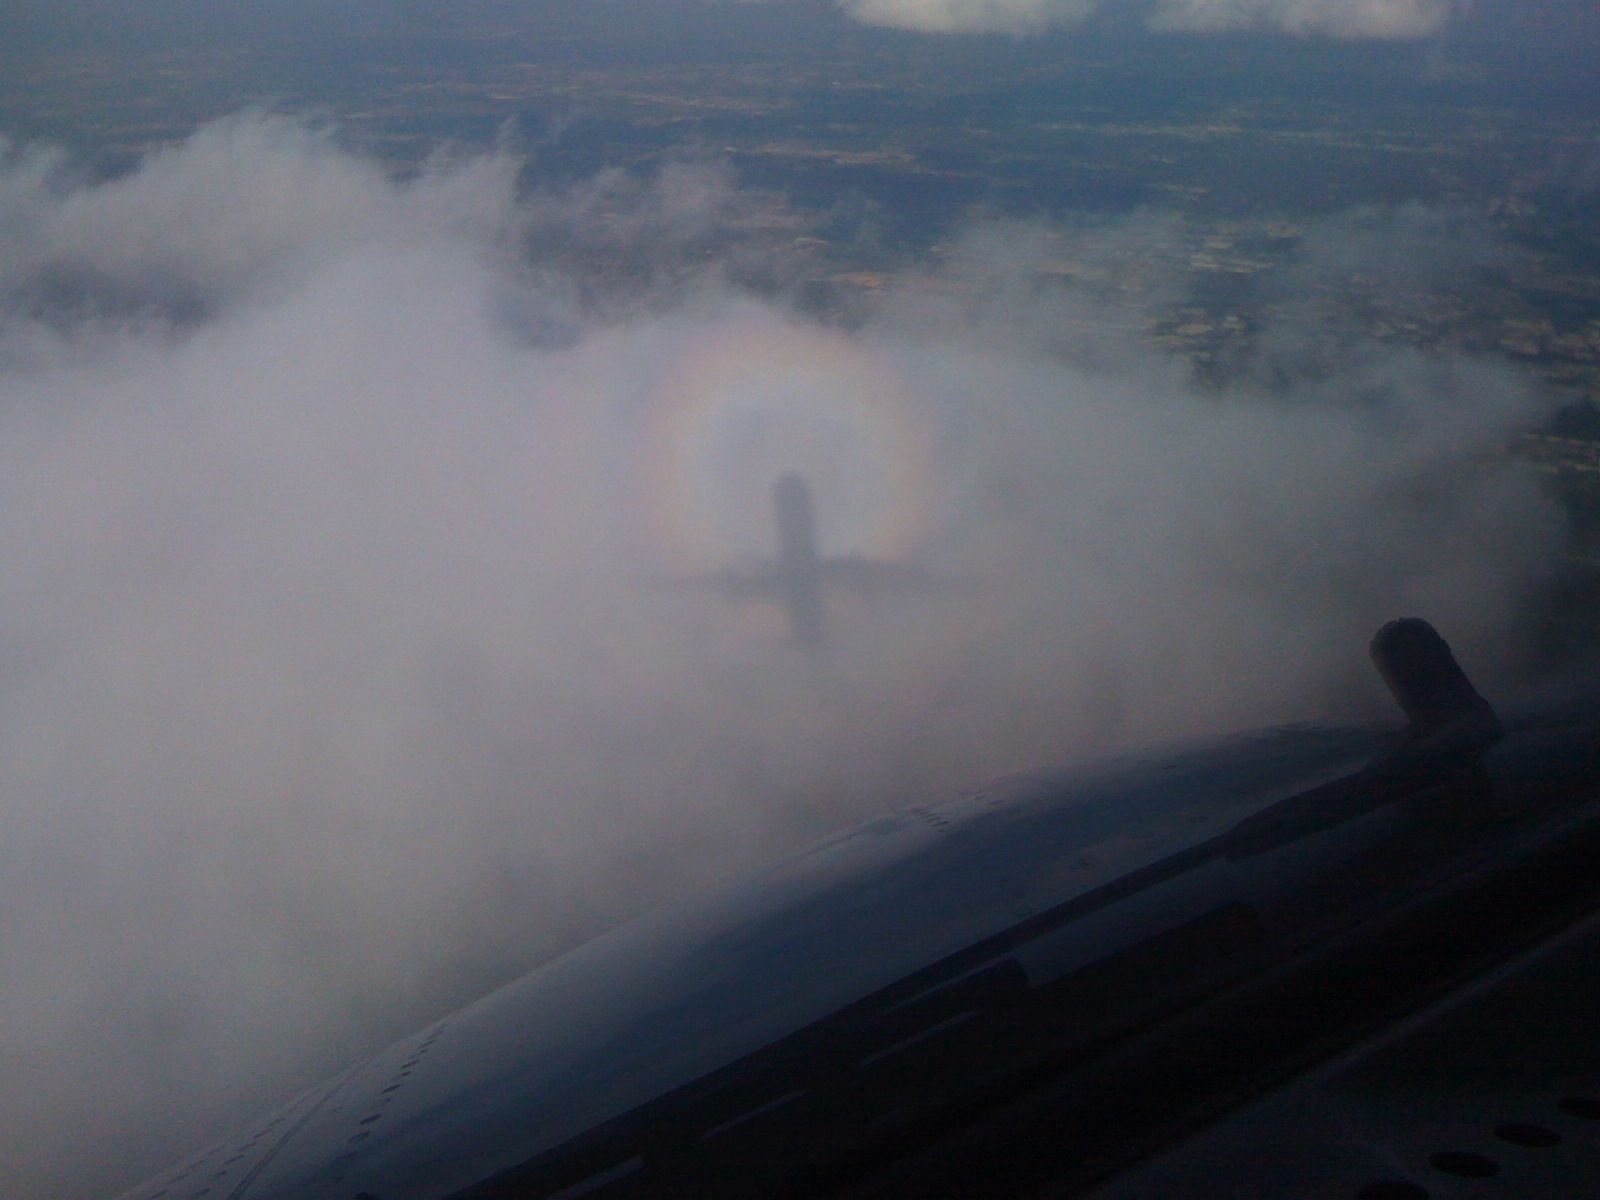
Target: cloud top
(1385, 20)
(970, 16)
(1395, 20)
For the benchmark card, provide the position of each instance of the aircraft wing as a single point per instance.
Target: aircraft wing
(1299, 962)
(1492, 1090)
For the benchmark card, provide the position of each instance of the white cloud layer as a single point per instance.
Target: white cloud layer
(1379, 19)
(337, 673)
(969, 16)
(1393, 20)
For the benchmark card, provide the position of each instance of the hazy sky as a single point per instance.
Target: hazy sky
(351, 653)
(1506, 30)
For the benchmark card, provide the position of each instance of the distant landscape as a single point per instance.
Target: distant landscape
(906, 138)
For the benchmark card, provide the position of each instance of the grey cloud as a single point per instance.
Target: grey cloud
(618, 239)
(1388, 263)
(343, 670)
(245, 208)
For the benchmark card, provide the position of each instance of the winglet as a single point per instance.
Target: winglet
(1428, 684)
